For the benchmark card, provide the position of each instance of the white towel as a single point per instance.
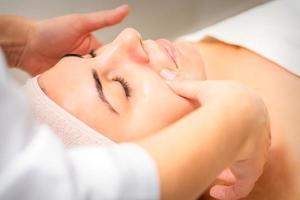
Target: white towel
(272, 30)
(71, 130)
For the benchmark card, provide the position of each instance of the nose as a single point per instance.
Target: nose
(130, 42)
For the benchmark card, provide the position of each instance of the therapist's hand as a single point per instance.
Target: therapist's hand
(50, 39)
(239, 179)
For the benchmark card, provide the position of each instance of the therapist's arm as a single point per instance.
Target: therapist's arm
(230, 129)
(35, 46)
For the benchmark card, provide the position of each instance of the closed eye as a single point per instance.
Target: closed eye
(72, 55)
(124, 84)
(92, 54)
(100, 91)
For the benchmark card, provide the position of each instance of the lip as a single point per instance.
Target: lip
(169, 49)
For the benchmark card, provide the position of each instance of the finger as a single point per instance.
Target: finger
(96, 20)
(186, 88)
(227, 176)
(95, 44)
(205, 91)
(232, 192)
(88, 44)
(181, 87)
(222, 192)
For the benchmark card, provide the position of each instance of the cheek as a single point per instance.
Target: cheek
(158, 109)
(169, 109)
(76, 94)
(190, 61)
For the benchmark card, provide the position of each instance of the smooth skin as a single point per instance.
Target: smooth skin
(277, 87)
(26, 43)
(192, 175)
(217, 99)
(151, 104)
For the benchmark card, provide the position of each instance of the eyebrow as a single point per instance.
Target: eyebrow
(100, 91)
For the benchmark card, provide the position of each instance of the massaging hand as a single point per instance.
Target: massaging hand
(50, 39)
(238, 180)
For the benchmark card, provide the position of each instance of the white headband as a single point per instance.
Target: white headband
(71, 130)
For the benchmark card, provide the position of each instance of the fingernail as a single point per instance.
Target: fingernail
(168, 74)
(217, 193)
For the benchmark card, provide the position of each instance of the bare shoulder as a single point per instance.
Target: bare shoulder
(280, 92)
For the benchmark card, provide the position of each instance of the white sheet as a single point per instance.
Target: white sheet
(271, 30)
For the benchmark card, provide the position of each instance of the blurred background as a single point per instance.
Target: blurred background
(152, 18)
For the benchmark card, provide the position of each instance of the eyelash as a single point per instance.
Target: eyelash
(119, 79)
(92, 54)
(124, 84)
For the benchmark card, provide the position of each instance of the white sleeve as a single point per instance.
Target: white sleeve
(34, 164)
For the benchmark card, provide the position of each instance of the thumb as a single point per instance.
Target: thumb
(189, 89)
(96, 20)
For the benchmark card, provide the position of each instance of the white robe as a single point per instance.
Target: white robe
(35, 166)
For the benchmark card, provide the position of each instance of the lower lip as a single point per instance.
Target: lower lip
(168, 47)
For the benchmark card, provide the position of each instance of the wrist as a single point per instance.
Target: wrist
(14, 34)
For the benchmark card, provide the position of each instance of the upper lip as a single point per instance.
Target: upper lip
(168, 47)
(160, 54)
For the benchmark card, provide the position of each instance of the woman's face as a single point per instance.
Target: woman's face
(119, 91)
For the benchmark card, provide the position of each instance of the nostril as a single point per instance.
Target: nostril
(137, 52)
(142, 44)
(144, 52)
